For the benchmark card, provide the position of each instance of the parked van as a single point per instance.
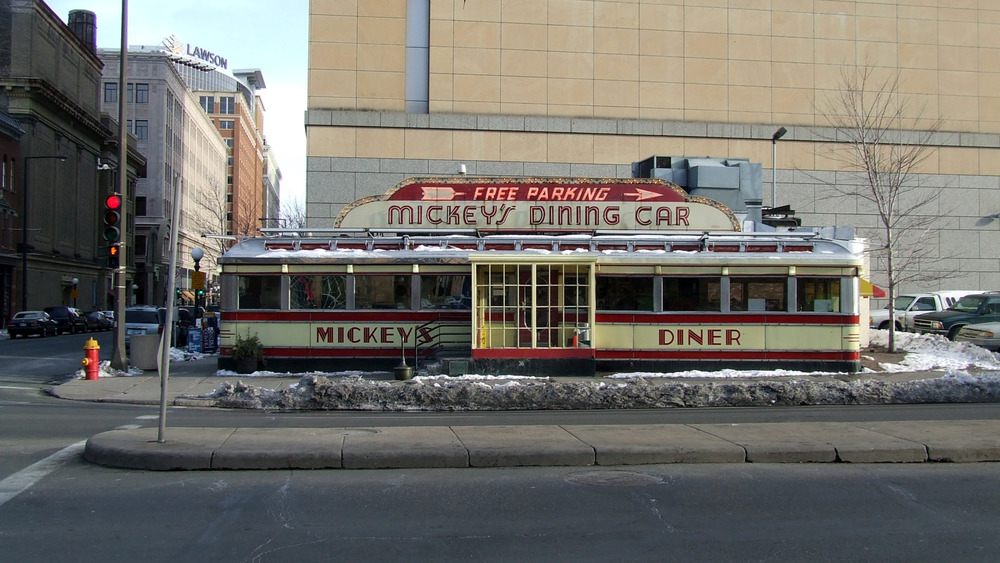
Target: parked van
(909, 305)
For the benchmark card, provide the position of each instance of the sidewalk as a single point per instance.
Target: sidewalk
(500, 446)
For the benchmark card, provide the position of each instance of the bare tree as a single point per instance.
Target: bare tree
(293, 215)
(881, 142)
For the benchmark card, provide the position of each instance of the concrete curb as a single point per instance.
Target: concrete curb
(545, 445)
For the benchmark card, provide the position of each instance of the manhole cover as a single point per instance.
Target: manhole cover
(613, 479)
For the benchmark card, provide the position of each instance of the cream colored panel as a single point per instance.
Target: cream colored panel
(529, 37)
(523, 147)
(609, 149)
(571, 92)
(476, 61)
(484, 35)
(334, 83)
(571, 39)
(570, 148)
(387, 85)
(749, 22)
(661, 43)
(429, 144)
(958, 58)
(335, 29)
(333, 56)
(661, 17)
(706, 45)
(749, 73)
(571, 13)
(798, 23)
(877, 29)
(749, 48)
(616, 41)
(331, 141)
(524, 11)
(616, 14)
(518, 90)
(571, 65)
(471, 145)
(616, 67)
(382, 31)
(918, 56)
(705, 71)
(709, 19)
(477, 88)
(380, 143)
(387, 58)
(958, 160)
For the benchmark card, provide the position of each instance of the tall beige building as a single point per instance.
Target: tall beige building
(582, 88)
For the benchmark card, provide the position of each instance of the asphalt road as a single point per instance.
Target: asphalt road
(54, 505)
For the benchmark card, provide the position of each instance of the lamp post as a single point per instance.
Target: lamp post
(197, 254)
(24, 227)
(134, 287)
(75, 282)
(774, 164)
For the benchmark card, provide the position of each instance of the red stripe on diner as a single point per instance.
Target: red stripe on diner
(723, 355)
(725, 319)
(391, 315)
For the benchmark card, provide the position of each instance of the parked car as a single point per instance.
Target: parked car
(27, 323)
(69, 319)
(143, 320)
(97, 321)
(984, 335)
(909, 305)
(971, 309)
(111, 317)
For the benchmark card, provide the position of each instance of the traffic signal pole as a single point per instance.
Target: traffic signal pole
(118, 359)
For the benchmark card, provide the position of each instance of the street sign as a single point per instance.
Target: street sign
(197, 280)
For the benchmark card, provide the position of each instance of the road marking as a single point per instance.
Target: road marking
(19, 388)
(147, 417)
(25, 478)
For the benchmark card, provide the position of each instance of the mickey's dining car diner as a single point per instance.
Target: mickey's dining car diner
(545, 277)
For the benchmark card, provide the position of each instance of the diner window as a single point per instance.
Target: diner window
(260, 292)
(318, 292)
(820, 295)
(381, 292)
(445, 292)
(692, 294)
(624, 294)
(758, 294)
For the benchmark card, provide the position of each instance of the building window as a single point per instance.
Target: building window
(110, 92)
(624, 294)
(229, 143)
(141, 129)
(758, 294)
(142, 93)
(227, 105)
(382, 292)
(259, 292)
(692, 294)
(140, 245)
(318, 292)
(445, 292)
(227, 124)
(821, 295)
(140, 205)
(207, 103)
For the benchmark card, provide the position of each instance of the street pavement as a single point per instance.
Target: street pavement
(191, 384)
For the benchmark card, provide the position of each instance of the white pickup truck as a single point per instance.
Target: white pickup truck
(909, 305)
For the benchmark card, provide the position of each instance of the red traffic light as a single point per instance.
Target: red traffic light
(114, 201)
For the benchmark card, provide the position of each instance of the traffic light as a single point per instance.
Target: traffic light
(114, 256)
(112, 219)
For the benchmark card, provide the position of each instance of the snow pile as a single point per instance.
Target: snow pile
(648, 390)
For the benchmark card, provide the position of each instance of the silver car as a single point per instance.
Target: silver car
(984, 335)
(143, 320)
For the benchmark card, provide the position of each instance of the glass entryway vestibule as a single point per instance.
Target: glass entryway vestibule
(525, 305)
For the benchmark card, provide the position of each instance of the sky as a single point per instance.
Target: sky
(268, 35)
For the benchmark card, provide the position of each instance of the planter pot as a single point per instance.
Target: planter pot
(246, 365)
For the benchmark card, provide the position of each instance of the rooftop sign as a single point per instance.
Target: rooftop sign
(193, 56)
(538, 205)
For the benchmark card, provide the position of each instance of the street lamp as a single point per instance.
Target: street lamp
(24, 227)
(197, 254)
(75, 281)
(134, 287)
(774, 164)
